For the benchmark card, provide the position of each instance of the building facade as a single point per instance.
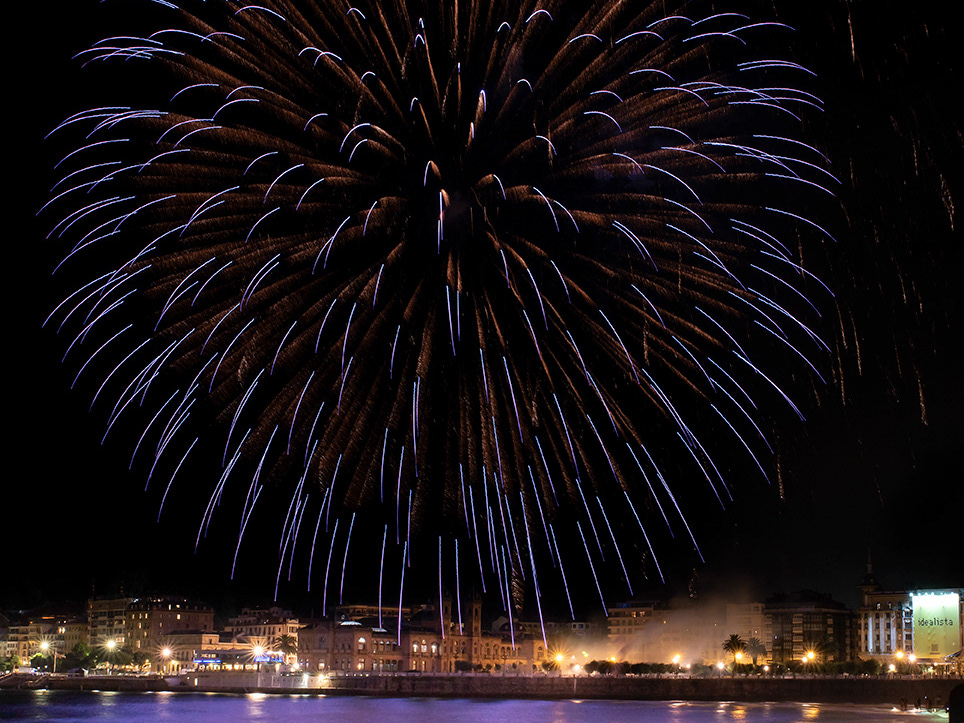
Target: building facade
(107, 620)
(885, 624)
(151, 620)
(807, 622)
(429, 641)
(886, 620)
(627, 620)
(266, 626)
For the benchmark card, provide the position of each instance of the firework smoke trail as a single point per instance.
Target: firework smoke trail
(521, 242)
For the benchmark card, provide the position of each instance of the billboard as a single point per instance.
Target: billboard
(937, 623)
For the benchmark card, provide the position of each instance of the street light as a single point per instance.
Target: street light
(46, 646)
(111, 645)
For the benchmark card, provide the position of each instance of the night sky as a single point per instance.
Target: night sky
(875, 467)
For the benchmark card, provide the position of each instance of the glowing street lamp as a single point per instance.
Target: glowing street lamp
(111, 646)
(47, 647)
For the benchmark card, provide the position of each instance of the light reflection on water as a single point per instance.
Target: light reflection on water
(69, 707)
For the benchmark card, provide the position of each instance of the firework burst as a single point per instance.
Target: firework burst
(468, 272)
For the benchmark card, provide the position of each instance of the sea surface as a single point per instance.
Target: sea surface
(66, 706)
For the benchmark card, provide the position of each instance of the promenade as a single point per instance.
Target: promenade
(830, 689)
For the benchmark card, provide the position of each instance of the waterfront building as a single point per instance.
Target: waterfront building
(177, 650)
(107, 620)
(29, 635)
(886, 621)
(212, 651)
(64, 631)
(938, 626)
(423, 640)
(314, 641)
(358, 647)
(745, 620)
(265, 625)
(627, 620)
(807, 621)
(151, 619)
(73, 630)
(333, 646)
(429, 640)
(351, 646)
(24, 638)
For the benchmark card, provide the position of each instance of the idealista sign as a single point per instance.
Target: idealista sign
(937, 623)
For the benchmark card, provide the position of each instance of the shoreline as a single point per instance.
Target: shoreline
(874, 691)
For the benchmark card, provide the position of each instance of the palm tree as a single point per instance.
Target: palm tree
(287, 645)
(734, 645)
(755, 648)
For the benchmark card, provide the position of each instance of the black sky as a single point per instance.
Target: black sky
(875, 467)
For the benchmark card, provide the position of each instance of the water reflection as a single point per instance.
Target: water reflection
(64, 706)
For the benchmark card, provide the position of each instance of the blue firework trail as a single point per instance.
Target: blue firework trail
(499, 272)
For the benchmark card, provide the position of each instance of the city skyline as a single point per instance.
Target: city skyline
(889, 629)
